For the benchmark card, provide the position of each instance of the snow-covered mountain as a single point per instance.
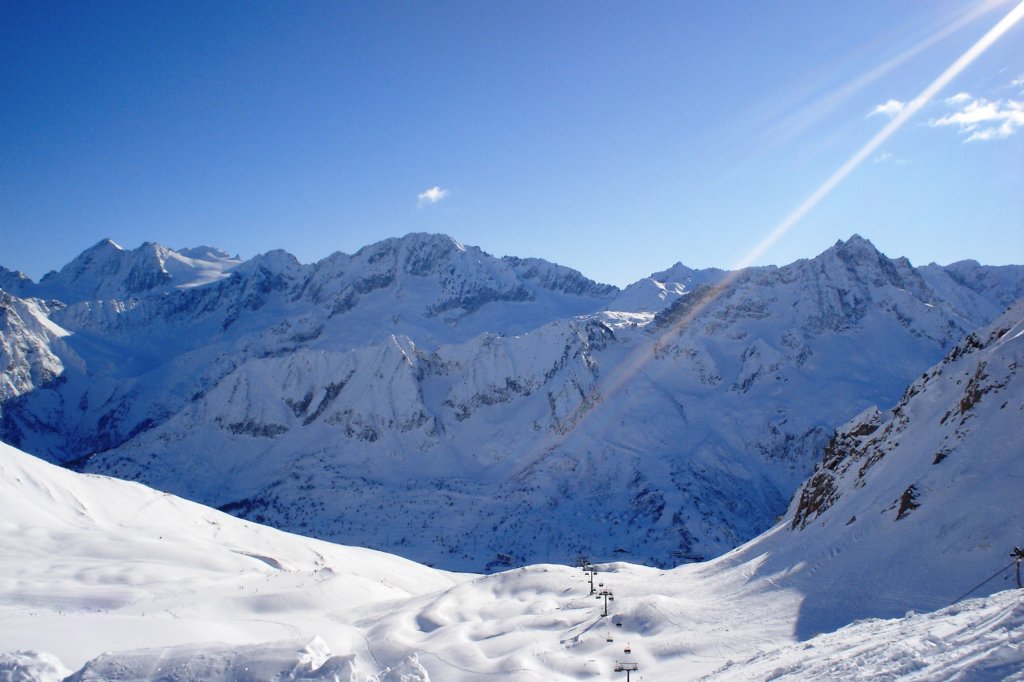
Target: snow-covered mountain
(27, 342)
(107, 271)
(477, 412)
(651, 294)
(891, 563)
(934, 480)
(15, 282)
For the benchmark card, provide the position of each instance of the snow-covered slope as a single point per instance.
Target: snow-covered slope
(106, 271)
(122, 582)
(660, 289)
(494, 407)
(93, 564)
(916, 506)
(910, 511)
(28, 341)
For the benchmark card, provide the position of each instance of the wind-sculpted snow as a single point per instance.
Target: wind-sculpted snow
(92, 564)
(490, 412)
(116, 581)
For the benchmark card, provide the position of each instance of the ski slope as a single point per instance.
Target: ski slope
(118, 581)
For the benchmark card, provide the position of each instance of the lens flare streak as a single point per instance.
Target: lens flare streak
(641, 356)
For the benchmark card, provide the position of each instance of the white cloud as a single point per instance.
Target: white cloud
(983, 119)
(432, 195)
(958, 98)
(889, 157)
(892, 108)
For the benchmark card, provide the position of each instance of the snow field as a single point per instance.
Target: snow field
(91, 564)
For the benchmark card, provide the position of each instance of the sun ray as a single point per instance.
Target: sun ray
(634, 363)
(884, 134)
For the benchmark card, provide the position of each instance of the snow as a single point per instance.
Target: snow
(107, 271)
(669, 431)
(975, 640)
(118, 581)
(512, 396)
(93, 564)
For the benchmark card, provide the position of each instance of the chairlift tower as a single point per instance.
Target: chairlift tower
(607, 594)
(591, 571)
(1018, 557)
(626, 668)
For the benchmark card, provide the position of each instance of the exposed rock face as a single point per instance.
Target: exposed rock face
(976, 386)
(916, 506)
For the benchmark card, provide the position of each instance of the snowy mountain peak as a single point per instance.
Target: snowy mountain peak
(418, 361)
(661, 289)
(106, 271)
(277, 261)
(434, 276)
(417, 253)
(855, 251)
(15, 282)
(105, 245)
(859, 255)
(856, 242)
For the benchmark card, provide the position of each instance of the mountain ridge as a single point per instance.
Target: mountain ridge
(490, 396)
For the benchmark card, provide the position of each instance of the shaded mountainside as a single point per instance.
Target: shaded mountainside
(473, 412)
(915, 506)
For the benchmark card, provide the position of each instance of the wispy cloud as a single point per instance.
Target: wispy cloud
(431, 196)
(892, 108)
(981, 119)
(889, 157)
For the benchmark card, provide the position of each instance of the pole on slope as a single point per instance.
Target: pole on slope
(626, 668)
(1018, 556)
(607, 594)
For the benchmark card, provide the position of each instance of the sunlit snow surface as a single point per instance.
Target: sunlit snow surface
(117, 581)
(178, 591)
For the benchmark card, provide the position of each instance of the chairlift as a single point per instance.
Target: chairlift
(618, 625)
(627, 650)
(609, 638)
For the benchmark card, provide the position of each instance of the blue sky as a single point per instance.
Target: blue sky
(616, 138)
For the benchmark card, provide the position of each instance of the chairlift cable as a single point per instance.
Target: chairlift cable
(1004, 568)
